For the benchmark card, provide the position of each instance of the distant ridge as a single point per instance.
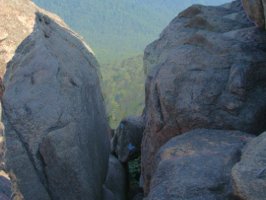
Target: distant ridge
(119, 28)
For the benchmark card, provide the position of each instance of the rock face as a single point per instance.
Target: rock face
(116, 179)
(56, 128)
(197, 165)
(248, 176)
(256, 10)
(207, 70)
(127, 140)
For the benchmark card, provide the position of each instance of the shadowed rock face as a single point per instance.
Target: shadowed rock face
(256, 10)
(248, 176)
(197, 165)
(56, 128)
(116, 179)
(127, 139)
(207, 70)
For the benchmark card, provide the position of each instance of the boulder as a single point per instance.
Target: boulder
(116, 180)
(197, 165)
(107, 194)
(135, 192)
(207, 70)
(127, 139)
(139, 196)
(249, 175)
(56, 129)
(256, 11)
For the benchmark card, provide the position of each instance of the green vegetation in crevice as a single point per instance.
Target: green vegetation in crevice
(134, 172)
(123, 89)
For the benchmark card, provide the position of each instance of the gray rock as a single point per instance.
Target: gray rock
(256, 10)
(207, 70)
(197, 165)
(139, 196)
(107, 194)
(140, 181)
(116, 179)
(127, 140)
(248, 175)
(134, 192)
(56, 128)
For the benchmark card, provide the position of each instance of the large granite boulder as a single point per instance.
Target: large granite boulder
(56, 129)
(256, 10)
(127, 139)
(249, 175)
(207, 70)
(116, 179)
(197, 165)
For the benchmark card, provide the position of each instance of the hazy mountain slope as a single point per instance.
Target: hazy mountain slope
(119, 27)
(123, 89)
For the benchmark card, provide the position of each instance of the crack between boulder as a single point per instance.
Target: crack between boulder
(25, 146)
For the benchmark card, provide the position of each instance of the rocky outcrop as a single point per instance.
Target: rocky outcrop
(197, 165)
(256, 10)
(207, 70)
(127, 139)
(56, 129)
(249, 177)
(116, 179)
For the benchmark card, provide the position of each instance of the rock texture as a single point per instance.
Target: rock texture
(135, 193)
(5, 188)
(248, 175)
(107, 194)
(197, 165)
(127, 140)
(207, 70)
(56, 128)
(256, 10)
(116, 179)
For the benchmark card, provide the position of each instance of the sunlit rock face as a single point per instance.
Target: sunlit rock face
(206, 70)
(56, 129)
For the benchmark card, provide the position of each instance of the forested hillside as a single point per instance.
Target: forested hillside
(117, 28)
(123, 88)
(117, 31)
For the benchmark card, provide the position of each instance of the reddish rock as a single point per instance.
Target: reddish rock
(207, 70)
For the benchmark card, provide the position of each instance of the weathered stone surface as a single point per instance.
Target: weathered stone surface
(127, 140)
(107, 194)
(134, 192)
(116, 179)
(139, 196)
(56, 128)
(256, 10)
(197, 165)
(248, 177)
(207, 70)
